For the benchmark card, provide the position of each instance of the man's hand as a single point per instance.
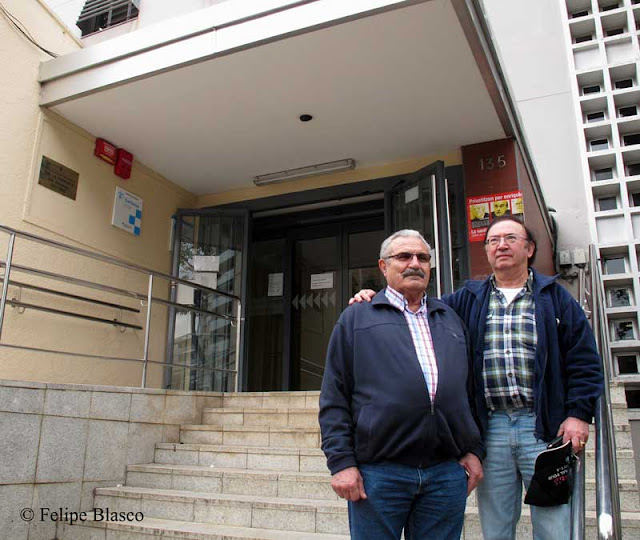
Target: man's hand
(575, 430)
(363, 295)
(348, 484)
(472, 465)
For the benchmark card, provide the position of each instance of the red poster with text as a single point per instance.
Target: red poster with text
(482, 210)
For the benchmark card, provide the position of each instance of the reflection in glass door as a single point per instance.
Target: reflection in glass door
(202, 347)
(316, 303)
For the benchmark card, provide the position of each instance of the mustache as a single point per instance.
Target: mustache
(413, 272)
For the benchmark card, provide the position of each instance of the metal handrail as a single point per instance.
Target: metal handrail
(56, 292)
(608, 518)
(577, 531)
(147, 298)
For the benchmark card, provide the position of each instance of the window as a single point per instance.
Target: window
(631, 110)
(583, 13)
(635, 199)
(633, 169)
(591, 89)
(634, 138)
(599, 144)
(619, 297)
(603, 174)
(615, 32)
(614, 265)
(623, 83)
(633, 398)
(623, 331)
(627, 364)
(583, 38)
(607, 203)
(609, 7)
(595, 116)
(97, 15)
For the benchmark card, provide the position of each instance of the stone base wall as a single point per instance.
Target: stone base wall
(60, 441)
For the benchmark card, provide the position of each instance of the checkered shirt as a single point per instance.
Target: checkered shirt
(421, 336)
(509, 349)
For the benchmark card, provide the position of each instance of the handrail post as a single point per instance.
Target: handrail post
(607, 497)
(147, 331)
(5, 284)
(577, 498)
(238, 321)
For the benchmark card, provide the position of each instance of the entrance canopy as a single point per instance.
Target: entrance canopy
(212, 99)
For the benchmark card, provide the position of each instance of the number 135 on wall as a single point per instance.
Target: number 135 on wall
(489, 163)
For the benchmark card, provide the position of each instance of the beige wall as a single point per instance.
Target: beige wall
(26, 134)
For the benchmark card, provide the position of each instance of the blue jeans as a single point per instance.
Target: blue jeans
(511, 453)
(428, 503)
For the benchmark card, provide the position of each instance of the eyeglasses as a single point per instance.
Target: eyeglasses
(510, 239)
(406, 256)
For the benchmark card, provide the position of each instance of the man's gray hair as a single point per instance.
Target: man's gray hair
(404, 233)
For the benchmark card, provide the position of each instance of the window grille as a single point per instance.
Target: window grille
(97, 15)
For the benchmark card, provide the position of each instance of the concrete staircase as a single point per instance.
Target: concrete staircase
(253, 470)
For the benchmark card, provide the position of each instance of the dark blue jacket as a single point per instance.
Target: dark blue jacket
(568, 377)
(374, 403)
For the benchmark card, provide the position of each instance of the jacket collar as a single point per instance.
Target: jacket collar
(540, 281)
(380, 299)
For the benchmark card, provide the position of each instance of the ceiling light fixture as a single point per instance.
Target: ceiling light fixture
(303, 172)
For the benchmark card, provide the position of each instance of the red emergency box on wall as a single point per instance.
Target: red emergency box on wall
(105, 150)
(124, 162)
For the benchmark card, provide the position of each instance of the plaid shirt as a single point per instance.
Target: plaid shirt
(509, 349)
(421, 336)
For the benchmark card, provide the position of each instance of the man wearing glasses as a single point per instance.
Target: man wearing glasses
(398, 431)
(537, 376)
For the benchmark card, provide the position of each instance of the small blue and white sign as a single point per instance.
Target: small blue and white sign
(127, 211)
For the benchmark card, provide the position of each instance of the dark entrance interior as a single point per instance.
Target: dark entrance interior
(304, 268)
(294, 260)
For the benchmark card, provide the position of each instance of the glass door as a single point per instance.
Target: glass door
(420, 201)
(315, 306)
(209, 249)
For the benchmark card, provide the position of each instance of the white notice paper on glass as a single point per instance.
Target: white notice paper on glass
(207, 279)
(412, 194)
(274, 287)
(206, 263)
(322, 281)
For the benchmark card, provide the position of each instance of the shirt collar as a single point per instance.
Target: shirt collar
(528, 284)
(398, 301)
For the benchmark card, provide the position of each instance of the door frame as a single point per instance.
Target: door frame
(355, 190)
(176, 229)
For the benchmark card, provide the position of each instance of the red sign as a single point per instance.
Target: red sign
(105, 150)
(481, 211)
(124, 162)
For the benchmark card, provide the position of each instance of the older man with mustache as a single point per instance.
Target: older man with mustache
(398, 429)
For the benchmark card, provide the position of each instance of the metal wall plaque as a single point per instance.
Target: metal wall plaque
(58, 178)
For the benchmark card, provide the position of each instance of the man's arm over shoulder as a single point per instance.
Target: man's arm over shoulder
(336, 421)
(581, 360)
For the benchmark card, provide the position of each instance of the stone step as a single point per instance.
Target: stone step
(624, 459)
(627, 489)
(265, 483)
(630, 526)
(251, 436)
(153, 528)
(242, 457)
(223, 509)
(261, 417)
(271, 400)
(622, 434)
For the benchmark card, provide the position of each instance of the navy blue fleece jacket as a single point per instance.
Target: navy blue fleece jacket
(374, 403)
(568, 378)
